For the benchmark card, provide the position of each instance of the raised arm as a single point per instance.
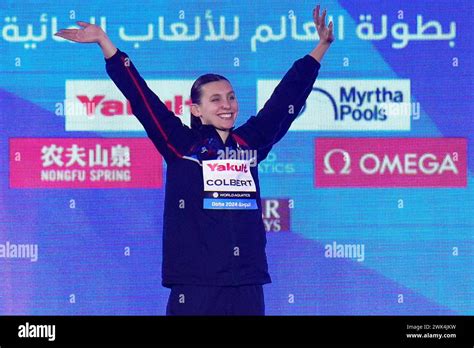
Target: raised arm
(167, 132)
(275, 118)
(90, 33)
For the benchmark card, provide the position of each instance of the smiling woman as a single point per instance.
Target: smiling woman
(214, 103)
(214, 240)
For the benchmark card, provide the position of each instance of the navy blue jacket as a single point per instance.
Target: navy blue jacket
(199, 244)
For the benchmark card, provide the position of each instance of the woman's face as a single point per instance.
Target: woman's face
(219, 106)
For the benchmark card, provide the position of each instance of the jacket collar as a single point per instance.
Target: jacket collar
(209, 130)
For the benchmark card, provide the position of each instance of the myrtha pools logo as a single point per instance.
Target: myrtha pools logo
(352, 105)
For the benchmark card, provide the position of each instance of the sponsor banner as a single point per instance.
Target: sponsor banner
(351, 105)
(84, 163)
(391, 162)
(98, 105)
(276, 214)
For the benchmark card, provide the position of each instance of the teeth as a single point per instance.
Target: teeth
(225, 115)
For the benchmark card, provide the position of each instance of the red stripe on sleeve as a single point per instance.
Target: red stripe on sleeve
(154, 118)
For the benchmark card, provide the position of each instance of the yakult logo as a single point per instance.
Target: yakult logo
(408, 162)
(96, 105)
(228, 167)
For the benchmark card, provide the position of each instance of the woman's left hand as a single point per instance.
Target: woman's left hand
(326, 35)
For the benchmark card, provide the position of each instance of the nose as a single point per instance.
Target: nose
(226, 105)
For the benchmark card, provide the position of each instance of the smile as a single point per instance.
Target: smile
(226, 116)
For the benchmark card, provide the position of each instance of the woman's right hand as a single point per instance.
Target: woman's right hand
(89, 33)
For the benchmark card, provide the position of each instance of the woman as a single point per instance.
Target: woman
(214, 239)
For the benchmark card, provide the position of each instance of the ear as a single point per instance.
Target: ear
(195, 110)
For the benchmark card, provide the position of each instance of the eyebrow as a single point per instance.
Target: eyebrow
(218, 95)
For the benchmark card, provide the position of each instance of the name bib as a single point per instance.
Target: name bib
(228, 184)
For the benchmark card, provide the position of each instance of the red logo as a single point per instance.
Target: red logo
(228, 167)
(112, 107)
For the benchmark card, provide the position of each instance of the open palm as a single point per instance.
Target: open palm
(89, 33)
(326, 34)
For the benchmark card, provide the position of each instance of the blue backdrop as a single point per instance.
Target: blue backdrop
(98, 249)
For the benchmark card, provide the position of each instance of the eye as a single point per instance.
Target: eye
(232, 97)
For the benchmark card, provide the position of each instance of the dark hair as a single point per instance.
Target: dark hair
(196, 93)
